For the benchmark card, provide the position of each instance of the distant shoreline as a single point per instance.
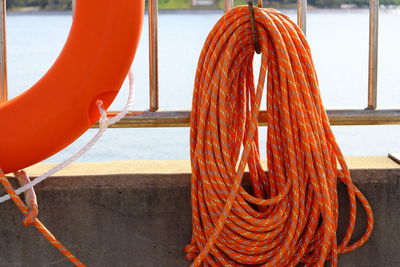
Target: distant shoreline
(210, 11)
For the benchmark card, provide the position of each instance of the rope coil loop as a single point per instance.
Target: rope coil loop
(291, 214)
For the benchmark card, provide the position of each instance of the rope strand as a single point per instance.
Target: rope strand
(38, 224)
(14, 194)
(104, 124)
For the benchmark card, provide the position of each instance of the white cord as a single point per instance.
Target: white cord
(104, 123)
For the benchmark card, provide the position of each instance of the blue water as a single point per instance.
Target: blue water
(339, 41)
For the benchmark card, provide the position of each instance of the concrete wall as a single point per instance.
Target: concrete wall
(138, 214)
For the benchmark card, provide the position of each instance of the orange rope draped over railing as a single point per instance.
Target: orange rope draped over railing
(293, 215)
(34, 221)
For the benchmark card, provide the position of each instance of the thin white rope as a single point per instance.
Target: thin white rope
(104, 123)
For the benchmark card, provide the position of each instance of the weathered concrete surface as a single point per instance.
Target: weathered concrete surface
(138, 214)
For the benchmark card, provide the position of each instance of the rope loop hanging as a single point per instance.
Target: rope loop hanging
(290, 215)
(30, 215)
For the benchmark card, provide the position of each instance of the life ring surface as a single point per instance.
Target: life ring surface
(61, 106)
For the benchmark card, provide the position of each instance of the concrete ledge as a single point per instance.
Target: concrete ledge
(137, 213)
(176, 166)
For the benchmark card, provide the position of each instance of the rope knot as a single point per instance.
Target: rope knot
(104, 121)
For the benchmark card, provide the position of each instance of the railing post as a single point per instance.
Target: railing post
(373, 54)
(228, 4)
(3, 54)
(302, 15)
(153, 54)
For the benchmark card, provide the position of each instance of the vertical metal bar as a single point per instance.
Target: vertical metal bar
(73, 6)
(373, 54)
(302, 15)
(3, 54)
(153, 51)
(228, 4)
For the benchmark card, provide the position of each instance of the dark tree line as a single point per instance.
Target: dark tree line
(66, 4)
(330, 3)
(43, 4)
(359, 3)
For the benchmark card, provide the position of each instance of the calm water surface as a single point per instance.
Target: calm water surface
(339, 42)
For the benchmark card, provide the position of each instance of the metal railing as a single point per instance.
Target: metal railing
(155, 118)
(3, 54)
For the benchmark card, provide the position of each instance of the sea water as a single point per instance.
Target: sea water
(339, 42)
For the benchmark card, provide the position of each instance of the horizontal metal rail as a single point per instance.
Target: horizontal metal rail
(144, 119)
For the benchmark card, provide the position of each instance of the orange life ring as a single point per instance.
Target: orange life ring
(61, 106)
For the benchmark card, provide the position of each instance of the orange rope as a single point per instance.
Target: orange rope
(39, 226)
(293, 215)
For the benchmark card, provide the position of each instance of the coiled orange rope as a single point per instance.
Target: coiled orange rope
(293, 215)
(34, 221)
